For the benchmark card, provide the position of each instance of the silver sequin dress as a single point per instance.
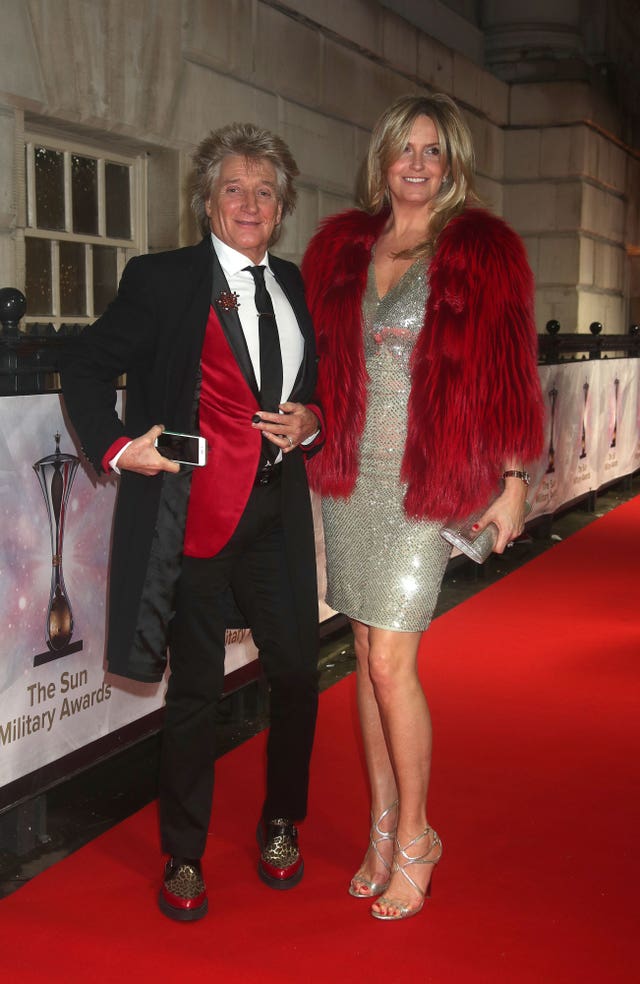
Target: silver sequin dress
(383, 568)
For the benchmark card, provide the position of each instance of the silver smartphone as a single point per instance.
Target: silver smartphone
(186, 449)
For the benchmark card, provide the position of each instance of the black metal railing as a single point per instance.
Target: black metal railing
(30, 358)
(555, 346)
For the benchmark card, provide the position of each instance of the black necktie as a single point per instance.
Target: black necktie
(270, 355)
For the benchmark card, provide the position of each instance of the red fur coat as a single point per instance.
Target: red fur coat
(475, 398)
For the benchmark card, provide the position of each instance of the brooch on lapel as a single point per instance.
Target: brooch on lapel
(228, 300)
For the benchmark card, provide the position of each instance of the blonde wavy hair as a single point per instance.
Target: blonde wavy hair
(388, 140)
(254, 144)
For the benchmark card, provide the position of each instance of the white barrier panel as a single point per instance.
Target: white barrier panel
(54, 695)
(593, 430)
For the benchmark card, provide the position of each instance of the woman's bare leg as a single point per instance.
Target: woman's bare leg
(396, 730)
(406, 723)
(381, 776)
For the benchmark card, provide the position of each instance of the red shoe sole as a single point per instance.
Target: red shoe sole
(180, 914)
(282, 884)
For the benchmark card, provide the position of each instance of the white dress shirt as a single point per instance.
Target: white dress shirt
(234, 266)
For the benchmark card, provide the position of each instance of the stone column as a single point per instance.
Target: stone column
(11, 195)
(566, 191)
(566, 187)
(533, 40)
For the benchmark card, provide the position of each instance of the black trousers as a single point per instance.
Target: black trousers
(254, 565)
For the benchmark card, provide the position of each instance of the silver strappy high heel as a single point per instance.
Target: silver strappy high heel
(401, 861)
(376, 836)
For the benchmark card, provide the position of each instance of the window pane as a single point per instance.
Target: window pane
(104, 277)
(38, 278)
(72, 279)
(84, 194)
(116, 179)
(49, 167)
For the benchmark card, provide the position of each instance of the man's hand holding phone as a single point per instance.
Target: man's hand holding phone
(186, 449)
(142, 456)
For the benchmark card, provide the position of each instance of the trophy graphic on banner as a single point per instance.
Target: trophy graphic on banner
(551, 467)
(583, 439)
(55, 474)
(614, 436)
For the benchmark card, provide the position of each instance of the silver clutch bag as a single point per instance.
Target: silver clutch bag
(477, 546)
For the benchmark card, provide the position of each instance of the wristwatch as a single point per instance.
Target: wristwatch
(524, 476)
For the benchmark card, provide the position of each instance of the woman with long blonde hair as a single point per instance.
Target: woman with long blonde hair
(422, 302)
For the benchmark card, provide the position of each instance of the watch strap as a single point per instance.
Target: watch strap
(517, 473)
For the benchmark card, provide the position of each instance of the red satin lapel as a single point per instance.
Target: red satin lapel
(220, 490)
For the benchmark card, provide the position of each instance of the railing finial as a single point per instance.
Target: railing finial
(13, 305)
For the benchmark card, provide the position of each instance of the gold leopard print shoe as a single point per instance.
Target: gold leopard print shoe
(280, 865)
(183, 895)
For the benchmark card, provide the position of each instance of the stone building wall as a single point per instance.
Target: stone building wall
(568, 186)
(153, 77)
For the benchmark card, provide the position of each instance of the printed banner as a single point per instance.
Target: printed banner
(54, 694)
(618, 413)
(593, 430)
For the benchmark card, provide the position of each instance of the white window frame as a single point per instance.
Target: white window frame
(125, 248)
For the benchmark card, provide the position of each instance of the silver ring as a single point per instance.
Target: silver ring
(290, 441)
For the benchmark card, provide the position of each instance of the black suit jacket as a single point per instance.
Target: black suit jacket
(154, 331)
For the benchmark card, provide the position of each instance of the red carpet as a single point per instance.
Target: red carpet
(533, 689)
